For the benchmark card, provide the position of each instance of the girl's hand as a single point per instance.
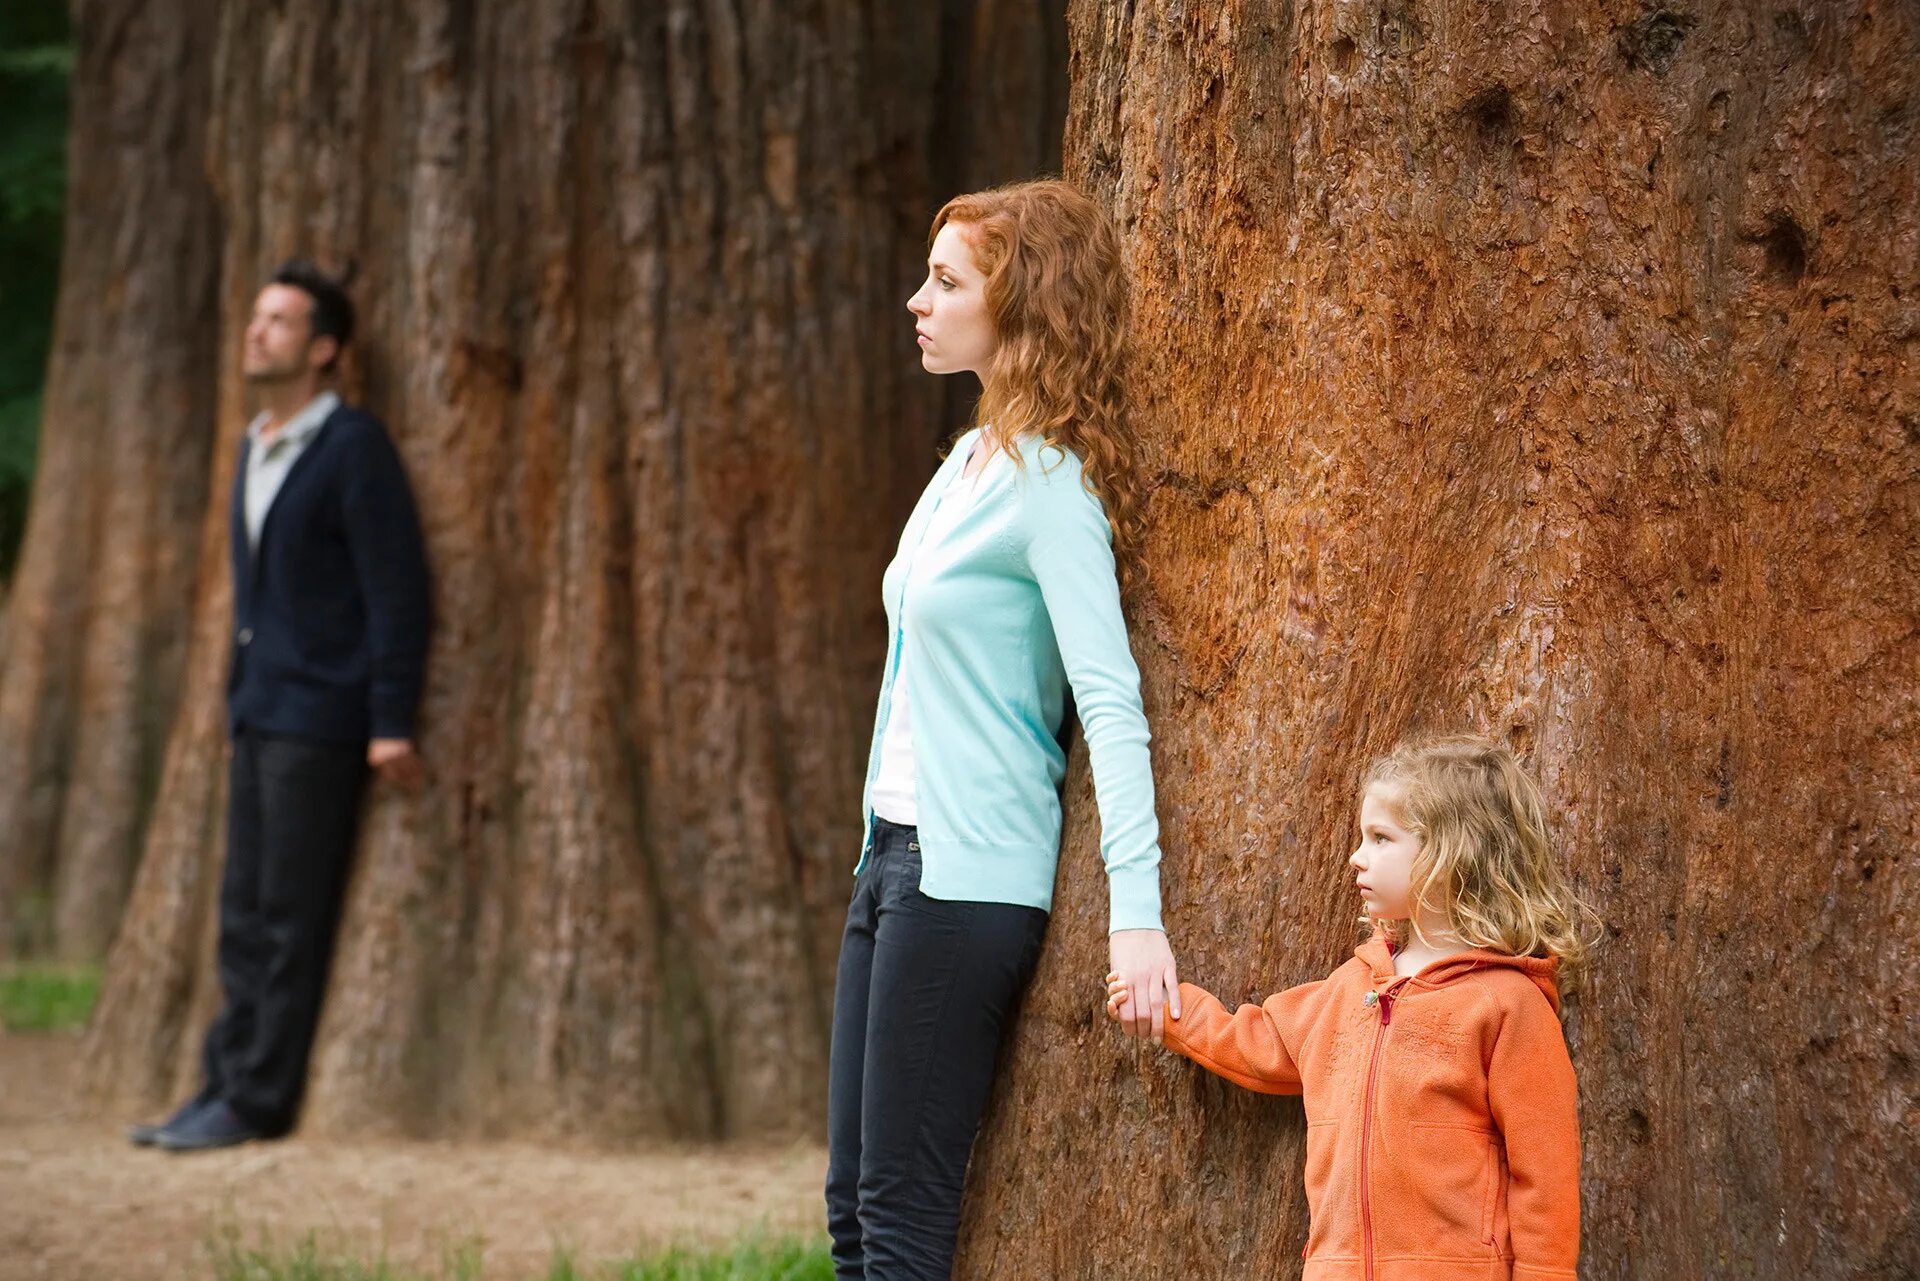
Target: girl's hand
(1116, 996)
(1150, 988)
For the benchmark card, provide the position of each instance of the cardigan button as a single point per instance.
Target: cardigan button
(246, 635)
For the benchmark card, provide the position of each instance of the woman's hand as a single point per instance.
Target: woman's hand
(1144, 987)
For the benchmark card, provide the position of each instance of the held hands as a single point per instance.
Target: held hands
(1116, 996)
(1143, 988)
(395, 761)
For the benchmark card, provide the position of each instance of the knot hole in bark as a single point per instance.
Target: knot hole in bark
(1491, 117)
(1783, 247)
(1343, 55)
(1652, 41)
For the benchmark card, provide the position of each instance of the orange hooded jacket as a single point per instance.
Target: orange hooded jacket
(1443, 1141)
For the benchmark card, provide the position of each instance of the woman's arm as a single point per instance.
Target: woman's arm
(1070, 552)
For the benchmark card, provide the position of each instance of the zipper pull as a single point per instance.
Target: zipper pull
(1386, 1001)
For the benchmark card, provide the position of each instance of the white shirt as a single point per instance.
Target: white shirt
(267, 467)
(893, 793)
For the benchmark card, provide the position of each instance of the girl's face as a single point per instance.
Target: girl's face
(1383, 862)
(955, 333)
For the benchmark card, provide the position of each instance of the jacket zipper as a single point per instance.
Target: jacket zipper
(1366, 1126)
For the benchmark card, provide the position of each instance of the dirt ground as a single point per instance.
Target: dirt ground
(77, 1202)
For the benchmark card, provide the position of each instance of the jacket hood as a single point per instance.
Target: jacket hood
(1377, 952)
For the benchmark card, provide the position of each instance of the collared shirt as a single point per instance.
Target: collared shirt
(267, 466)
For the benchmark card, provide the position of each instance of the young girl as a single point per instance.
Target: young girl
(1442, 1137)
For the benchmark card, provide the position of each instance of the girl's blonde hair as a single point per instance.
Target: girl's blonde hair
(1485, 864)
(1057, 295)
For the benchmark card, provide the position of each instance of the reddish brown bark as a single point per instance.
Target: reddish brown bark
(1547, 369)
(631, 282)
(93, 646)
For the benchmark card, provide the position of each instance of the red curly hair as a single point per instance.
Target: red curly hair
(1056, 292)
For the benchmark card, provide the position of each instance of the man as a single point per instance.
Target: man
(330, 598)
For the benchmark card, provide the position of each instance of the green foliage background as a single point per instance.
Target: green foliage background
(36, 62)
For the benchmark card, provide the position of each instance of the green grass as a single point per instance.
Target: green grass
(312, 1259)
(790, 1261)
(35, 998)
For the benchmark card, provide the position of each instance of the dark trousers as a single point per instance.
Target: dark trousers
(292, 808)
(925, 990)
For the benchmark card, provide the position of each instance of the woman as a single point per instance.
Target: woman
(1004, 593)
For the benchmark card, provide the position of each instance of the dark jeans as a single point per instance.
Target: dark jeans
(292, 808)
(925, 990)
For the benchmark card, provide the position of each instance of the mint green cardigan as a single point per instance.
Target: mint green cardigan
(1019, 601)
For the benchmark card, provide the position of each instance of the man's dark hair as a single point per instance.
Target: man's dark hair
(332, 309)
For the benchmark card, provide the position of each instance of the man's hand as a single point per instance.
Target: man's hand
(1148, 987)
(395, 761)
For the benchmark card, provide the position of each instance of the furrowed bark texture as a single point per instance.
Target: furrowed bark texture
(93, 641)
(631, 284)
(1546, 369)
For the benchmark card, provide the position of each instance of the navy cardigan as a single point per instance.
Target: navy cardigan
(331, 612)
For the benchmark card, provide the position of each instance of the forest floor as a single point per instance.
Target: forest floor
(78, 1202)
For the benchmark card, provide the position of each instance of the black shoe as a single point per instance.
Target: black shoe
(145, 1136)
(214, 1126)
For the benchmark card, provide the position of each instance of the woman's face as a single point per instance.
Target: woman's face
(950, 308)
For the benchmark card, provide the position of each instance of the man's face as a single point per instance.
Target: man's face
(280, 344)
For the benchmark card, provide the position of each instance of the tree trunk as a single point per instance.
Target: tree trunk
(631, 285)
(1547, 369)
(94, 639)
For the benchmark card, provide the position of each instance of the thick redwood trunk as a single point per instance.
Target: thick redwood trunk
(631, 284)
(1547, 369)
(91, 660)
